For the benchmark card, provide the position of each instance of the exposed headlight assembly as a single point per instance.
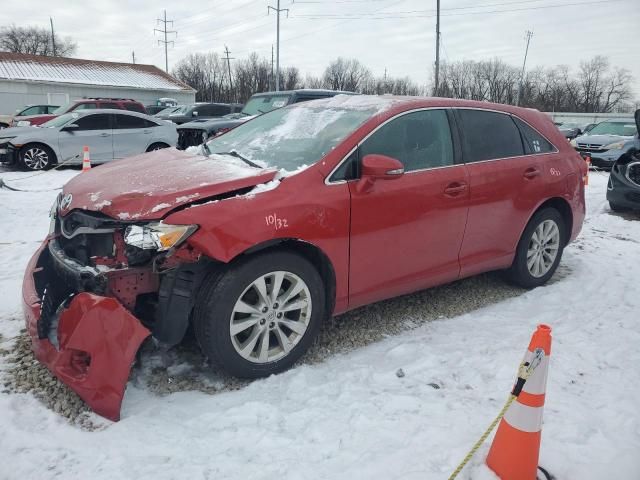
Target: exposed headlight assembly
(573, 142)
(157, 236)
(23, 123)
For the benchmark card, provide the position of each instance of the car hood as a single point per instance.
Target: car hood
(600, 139)
(215, 124)
(17, 131)
(148, 186)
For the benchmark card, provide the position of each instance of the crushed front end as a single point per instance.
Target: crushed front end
(96, 288)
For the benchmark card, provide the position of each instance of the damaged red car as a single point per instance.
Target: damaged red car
(299, 214)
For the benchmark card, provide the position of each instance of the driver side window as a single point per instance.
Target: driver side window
(420, 140)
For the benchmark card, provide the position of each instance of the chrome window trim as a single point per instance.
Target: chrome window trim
(327, 180)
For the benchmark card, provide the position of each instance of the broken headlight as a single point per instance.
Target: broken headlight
(157, 236)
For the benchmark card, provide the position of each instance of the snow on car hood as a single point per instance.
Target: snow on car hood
(148, 186)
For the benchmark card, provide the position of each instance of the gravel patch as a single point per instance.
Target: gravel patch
(184, 368)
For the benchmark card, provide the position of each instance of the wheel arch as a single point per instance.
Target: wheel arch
(319, 259)
(561, 205)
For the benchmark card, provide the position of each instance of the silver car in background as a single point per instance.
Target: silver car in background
(109, 134)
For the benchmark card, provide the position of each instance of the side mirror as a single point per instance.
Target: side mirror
(194, 114)
(378, 167)
(381, 167)
(70, 128)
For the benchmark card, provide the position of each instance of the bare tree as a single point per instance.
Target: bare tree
(346, 74)
(34, 41)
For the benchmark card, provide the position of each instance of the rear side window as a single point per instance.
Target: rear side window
(93, 122)
(489, 135)
(533, 141)
(134, 107)
(129, 121)
(420, 140)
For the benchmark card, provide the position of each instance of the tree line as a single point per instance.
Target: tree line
(595, 86)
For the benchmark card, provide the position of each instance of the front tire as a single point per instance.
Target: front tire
(259, 316)
(157, 146)
(539, 250)
(36, 156)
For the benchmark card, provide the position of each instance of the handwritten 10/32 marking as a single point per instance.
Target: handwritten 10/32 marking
(276, 222)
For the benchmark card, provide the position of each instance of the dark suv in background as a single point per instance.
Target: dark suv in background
(82, 104)
(194, 133)
(187, 113)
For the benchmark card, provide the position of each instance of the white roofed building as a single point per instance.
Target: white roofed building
(34, 79)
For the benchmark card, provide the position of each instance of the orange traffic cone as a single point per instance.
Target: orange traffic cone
(516, 446)
(86, 160)
(586, 177)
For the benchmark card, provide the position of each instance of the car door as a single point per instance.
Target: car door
(406, 233)
(94, 131)
(505, 187)
(130, 135)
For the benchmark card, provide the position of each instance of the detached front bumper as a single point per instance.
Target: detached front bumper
(602, 159)
(88, 341)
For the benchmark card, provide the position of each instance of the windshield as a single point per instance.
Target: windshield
(614, 128)
(63, 108)
(264, 104)
(181, 110)
(61, 120)
(291, 138)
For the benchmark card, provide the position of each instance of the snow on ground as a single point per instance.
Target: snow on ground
(351, 416)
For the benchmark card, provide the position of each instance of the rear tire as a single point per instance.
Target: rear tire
(157, 146)
(36, 156)
(617, 208)
(251, 334)
(539, 250)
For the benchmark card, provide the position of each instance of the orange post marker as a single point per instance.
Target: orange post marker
(586, 176)
(516, 447)
(86, 159)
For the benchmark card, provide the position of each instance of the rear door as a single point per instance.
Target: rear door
(406, 233)
(94, 131)
(505, 187)
(130, 135)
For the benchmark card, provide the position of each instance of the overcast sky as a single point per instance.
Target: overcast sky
(398, 35)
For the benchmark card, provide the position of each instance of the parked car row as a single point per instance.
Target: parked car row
(296, 215)
(109, 133)
(608, 141)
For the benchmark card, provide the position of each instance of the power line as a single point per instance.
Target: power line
(165, 41)
(278, 10)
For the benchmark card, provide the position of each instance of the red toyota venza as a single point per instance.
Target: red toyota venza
(299, 214)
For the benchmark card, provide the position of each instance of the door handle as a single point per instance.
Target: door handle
(105, 134)
(455, 188)
(532, 172)
(146, 132)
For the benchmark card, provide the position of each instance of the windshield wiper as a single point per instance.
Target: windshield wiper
(234, 153)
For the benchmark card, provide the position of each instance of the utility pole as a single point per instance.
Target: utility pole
(524, 63)
(437, 83)
(272, 83)
(385, 80)
(278, 10)
(133, 57)
(166, 42)
(53, 38)
(228, 59)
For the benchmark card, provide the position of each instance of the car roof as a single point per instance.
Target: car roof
(304, 91)
(83, 113)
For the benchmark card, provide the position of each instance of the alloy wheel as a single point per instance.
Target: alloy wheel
(270, 317)
(35, 158)
(543, 248)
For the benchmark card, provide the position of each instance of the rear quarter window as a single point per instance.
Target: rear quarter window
(533, 142)
(134, 107)
(488, 135)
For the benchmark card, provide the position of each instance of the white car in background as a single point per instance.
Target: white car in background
(109, 134)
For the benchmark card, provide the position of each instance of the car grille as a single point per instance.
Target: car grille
(590, 148)
(189, 137)
(633, 173)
